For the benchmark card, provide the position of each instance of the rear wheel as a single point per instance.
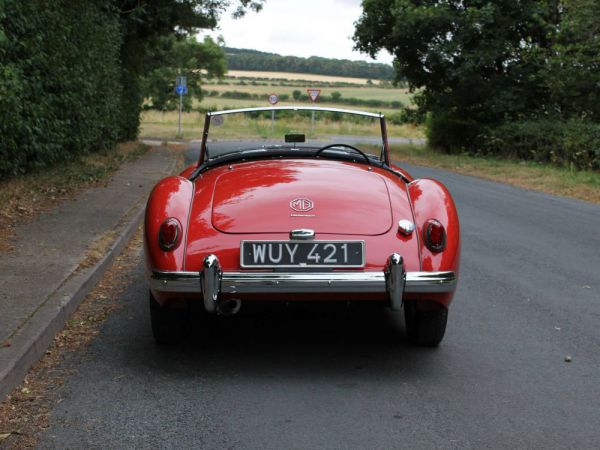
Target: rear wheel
(168, 323)
(425, 326)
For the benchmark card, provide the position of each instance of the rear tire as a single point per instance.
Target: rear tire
(427, 327)
(168, 323)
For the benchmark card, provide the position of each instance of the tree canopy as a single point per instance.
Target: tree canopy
(146, 24)
(182, 57)
(482, 63)
(72, 72)
(244, 59)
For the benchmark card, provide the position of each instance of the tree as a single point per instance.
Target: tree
(144, 24)
(71, 72)
(573, 73)
(474, 64)
(186, 57)
(244, 59)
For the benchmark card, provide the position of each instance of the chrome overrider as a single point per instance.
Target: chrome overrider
(212, 281)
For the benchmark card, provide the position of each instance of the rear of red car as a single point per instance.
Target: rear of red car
(300, 228)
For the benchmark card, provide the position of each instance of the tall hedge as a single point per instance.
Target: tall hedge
(60, 81)
(571, 143)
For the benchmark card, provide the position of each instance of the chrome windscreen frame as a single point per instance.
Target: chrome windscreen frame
(385, 158)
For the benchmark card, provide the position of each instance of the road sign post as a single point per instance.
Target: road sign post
(273, 100)
(181, 90)
(313, 95)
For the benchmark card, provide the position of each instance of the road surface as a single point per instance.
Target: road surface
(527, 298)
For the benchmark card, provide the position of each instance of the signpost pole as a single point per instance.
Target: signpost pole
(181, 90)
(180, 108)
(273, 99)
(313, 95)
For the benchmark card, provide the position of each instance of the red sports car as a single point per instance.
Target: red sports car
(299, 203)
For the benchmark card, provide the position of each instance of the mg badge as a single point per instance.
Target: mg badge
(302, 204)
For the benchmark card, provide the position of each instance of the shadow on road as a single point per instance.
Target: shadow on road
(300, 341)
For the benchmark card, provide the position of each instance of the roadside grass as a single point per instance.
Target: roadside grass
(163, 125)
(219, 103)
(23, 197)
(582, 185)
(25, 412)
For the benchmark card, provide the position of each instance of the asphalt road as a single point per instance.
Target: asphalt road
(527, 298)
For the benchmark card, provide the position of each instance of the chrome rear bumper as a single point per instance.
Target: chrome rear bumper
(212, 281)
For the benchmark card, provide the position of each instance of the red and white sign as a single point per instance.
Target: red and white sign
(273, 99)
(313, 94)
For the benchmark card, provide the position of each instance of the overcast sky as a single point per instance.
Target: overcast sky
(298, 27)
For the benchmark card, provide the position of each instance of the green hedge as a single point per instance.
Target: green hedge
(406, 115)
(573, 143)
(60, 81)
(449, 133)
(323, 99)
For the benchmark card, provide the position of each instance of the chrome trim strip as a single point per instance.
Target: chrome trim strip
(416, 282)
(302, 234)
(303, 282)
(294, 108)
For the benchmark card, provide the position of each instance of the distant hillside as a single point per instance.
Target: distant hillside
(245, 59)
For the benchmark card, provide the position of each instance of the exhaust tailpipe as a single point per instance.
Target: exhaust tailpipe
(229, 307)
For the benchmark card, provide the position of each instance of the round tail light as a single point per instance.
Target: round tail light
(169, 234)
(434, 235)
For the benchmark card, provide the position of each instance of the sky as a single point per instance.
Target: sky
(299, 28)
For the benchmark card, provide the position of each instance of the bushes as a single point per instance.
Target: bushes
(407, 115)
(239, 95)
(574, 143)
(336, 97)
(60, 89)
(449, 133)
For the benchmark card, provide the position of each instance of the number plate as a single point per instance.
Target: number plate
(302, 254)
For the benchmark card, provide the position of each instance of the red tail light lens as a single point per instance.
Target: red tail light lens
(169, 234)
(434, 235)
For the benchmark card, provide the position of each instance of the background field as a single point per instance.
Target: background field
(164, 124)
(364, 93)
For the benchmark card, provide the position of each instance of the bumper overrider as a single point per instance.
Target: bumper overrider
(212, 281)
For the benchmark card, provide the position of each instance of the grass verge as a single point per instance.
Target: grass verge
(24, 197)
(163, 125)
(582, 185)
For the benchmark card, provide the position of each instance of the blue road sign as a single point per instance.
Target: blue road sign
(181, 90)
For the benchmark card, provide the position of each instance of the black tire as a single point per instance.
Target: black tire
(168, 323)
(427, 327)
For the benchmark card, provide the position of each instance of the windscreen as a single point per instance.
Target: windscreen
(287, 130)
